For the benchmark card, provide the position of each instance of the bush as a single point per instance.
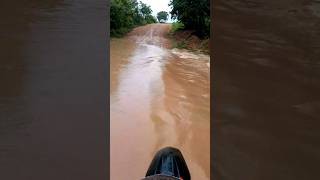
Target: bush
(175, 26)
(194, 14)
(150, 19)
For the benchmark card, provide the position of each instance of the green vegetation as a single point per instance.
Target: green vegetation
(175, 26)
(162, 15)
(127, 14)
(185, 39)
(194, 14)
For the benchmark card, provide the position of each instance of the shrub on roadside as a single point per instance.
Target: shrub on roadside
(194, 14)
(175, 26)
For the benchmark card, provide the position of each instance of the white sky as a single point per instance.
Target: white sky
(158, 5)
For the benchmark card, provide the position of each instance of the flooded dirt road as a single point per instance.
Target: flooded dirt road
(158, 97)
(266, 100)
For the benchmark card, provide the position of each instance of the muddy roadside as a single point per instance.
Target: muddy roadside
(186, 39)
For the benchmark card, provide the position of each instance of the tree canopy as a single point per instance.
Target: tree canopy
(126, 14)
(162, 15)
(194, 14)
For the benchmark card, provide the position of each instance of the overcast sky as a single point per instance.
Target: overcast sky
(158, 5)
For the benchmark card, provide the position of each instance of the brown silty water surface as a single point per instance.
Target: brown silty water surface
(266, 89)
(159, 97)
(52, 110)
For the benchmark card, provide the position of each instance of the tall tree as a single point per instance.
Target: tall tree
(194, 14)
(162, 15)
(145, 9)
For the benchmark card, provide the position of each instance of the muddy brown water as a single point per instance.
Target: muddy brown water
(266, 100)
(53, 90)
(159, 97)
(266, 89)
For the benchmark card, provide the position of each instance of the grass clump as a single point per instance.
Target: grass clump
(175, 26)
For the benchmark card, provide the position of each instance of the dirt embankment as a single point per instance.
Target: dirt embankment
(186, 39)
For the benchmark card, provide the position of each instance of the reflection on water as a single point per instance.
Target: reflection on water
(161, 99)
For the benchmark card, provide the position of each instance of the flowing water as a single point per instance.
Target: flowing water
(266, 77)
(267, 83)
(53, 90)
(159, 97)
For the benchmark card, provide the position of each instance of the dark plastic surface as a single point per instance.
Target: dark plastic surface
(169, 161)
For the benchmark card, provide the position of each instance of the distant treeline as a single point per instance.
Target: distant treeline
(194, 14)
(127, 14)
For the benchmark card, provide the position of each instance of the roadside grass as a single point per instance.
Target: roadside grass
(185, 39)
(175, 26)
(120, 32)
(117, 33)
(180, 44)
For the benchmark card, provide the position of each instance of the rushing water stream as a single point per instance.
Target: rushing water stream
(159, 97)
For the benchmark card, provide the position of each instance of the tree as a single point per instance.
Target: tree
(162, 15)
(126, 14)
(194, 14)
(145, 9)
(150, 19)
